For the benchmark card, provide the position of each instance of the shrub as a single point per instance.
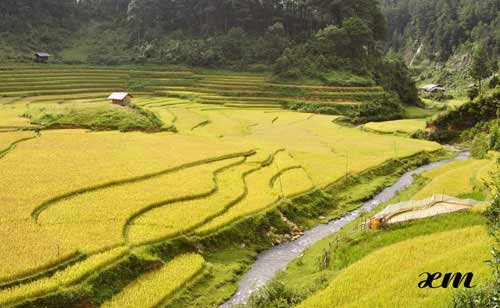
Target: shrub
(384, 108)
(393, 74)
(472, 92)
(275, 294)
(494, 82)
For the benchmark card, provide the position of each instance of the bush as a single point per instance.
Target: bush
(476, 298)
(449, 125)
(393, 74)
(494, 82)
(382, 109)
(275, 294)
(472, 92)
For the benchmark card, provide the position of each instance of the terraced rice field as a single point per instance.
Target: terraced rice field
(152, 288)
(98, 194)
(360, 285)
(456, 179)
(398, 126)
(238, 91)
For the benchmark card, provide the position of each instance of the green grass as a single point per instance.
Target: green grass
(457, 102)
(97, 116)
(412, 112)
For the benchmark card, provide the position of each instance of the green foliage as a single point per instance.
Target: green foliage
(97, 117)
(494, 82)
(348, 45)
(41, 25)
(381, 109)
(275, 295)
(449, 125)
(480, 67)
(393, 74)
(472, 92)
(440, 28)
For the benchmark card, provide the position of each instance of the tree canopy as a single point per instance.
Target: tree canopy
(441, 27)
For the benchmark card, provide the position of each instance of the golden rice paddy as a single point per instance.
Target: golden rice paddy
(104, 192)
(389, 277)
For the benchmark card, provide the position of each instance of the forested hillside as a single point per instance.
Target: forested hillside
(437, 29)
(193, 32)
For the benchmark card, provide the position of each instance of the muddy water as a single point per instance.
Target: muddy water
(277, 258)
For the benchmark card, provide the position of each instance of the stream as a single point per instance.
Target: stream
(276, 259)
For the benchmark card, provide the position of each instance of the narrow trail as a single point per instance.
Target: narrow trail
(276, 259)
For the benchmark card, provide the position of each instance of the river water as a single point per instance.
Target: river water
(276, 259)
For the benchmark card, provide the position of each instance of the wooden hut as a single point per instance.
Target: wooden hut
(42, 57)
(120, 98)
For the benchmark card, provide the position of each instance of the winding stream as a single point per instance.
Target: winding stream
(276, 259)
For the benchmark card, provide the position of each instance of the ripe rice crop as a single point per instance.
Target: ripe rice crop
(65, 161)
(61, 79)
(59, 92)
(293, 182)
(60, 82)
(95, 220)
(166, 116)
(74, 190)
(64, 278)
(179, 217)
(453, 179)
(68, 86)
(11, 115)
(152, 288)
(388, 277)
(65, 97)
(260, 194)
(187, 119)
(9, 138)
(398, 126)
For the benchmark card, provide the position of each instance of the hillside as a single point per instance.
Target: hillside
(310, 42)
(437, 30)
(249, 153)
(437, 38)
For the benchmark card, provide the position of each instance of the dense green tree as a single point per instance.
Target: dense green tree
(480, 67)
(441, 27)
(394, 75)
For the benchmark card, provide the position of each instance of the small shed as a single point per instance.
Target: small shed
(42, 57)
(121, 98)
(431, 88)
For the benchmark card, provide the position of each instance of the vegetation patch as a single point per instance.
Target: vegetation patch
(95, 116)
